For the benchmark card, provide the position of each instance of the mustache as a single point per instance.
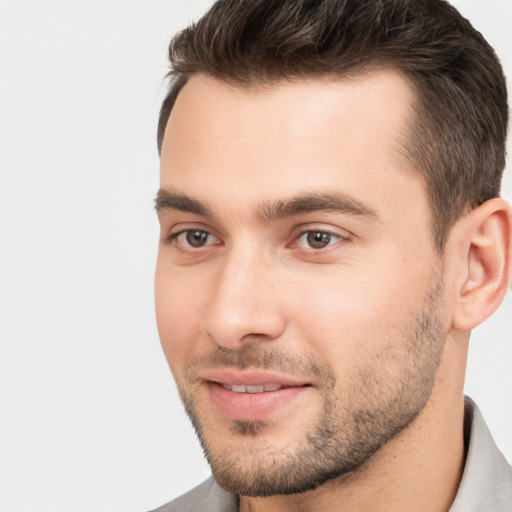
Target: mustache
(256, 357)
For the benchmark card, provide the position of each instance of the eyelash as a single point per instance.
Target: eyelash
(172, 239)
(323, 233)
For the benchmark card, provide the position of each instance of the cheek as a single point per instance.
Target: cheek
(345, 318)
(178, 314)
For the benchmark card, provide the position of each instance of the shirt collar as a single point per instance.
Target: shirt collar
(486, 483)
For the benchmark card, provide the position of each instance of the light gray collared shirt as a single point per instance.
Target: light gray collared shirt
(486, 484)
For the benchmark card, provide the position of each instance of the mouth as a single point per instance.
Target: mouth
(254, 396)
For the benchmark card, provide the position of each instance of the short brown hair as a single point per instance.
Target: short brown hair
(457, 137)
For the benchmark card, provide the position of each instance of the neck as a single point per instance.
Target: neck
(418, 470)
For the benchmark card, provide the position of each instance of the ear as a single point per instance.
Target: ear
(484, 256)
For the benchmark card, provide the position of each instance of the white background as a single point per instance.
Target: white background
(89, 417)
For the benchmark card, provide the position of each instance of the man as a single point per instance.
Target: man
(331, 232)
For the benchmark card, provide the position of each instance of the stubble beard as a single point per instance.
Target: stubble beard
(357, 418)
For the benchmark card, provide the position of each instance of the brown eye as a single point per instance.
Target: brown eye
(196, 238)
(317, 239)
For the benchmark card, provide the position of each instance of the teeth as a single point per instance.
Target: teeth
(242, 388)
(254, 389)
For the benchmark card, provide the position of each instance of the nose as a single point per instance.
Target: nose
(244, 308)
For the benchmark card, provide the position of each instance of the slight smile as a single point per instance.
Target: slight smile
(254, 396)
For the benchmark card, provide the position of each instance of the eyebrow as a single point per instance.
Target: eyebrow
(169, 199)
(301, 204)
(315, 202)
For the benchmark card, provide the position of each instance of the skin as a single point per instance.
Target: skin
(345, 318)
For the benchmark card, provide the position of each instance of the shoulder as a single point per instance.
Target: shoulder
(206, 497)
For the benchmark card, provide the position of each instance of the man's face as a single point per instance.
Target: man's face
(298, 293)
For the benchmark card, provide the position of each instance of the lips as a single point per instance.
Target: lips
(251, 377)
(253, 395)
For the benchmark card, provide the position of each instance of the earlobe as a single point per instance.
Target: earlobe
(486, 262)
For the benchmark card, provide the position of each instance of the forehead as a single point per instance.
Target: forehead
(269, 142)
